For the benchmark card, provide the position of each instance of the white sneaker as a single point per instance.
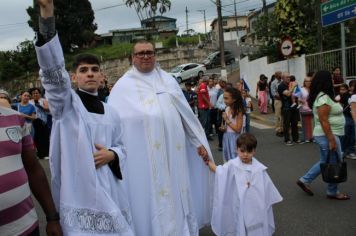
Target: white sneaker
(46, 158)
(351, 156)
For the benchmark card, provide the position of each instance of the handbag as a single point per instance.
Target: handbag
(334, 172)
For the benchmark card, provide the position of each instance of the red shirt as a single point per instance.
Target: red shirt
(203, 92)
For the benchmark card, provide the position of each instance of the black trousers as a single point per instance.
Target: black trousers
(213, 120)
(41, 138)
(290, 121)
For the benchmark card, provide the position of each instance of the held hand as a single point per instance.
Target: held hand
(53, 228)
(46, 8)
(203, 153)
(103, 156)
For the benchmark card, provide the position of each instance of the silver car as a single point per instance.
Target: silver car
(188, 71)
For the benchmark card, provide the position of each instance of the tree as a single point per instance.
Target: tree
(297, 19)
(147, 8)
(74, 22)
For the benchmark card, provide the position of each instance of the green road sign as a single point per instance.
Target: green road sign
(335, 5)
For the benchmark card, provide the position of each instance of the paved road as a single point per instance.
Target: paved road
(298, 214)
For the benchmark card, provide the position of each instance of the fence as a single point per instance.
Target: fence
(329, 59)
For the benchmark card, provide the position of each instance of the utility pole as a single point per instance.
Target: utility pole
(264, 7)
(186, 19)
(237, 30)
(221, 40)
(203, 11)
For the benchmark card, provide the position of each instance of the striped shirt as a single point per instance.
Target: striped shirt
(17, 212)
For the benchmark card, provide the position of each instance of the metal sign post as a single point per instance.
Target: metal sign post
(287, 49)
(338, 11)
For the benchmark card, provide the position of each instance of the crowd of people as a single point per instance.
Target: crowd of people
(134, 158)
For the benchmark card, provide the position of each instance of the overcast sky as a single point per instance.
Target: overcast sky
(113, 14)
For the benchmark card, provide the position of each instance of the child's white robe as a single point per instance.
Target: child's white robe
(243, 199)
(90, 201)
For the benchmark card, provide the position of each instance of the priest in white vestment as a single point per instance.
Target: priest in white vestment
(86, 135)
(169, 186)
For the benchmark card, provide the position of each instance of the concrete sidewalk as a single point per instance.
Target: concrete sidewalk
(267, 119)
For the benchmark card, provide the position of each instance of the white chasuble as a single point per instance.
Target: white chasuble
(90, 201)
(169, 186)
(243, 199)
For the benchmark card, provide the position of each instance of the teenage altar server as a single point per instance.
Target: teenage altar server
(86, 151)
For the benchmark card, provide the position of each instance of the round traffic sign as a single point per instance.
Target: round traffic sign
(287, 47)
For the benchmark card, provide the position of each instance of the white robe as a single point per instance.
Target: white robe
(243, 199)
(169, 186)
(90, 201)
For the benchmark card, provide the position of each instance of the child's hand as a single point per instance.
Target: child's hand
(222, 128)
(224, 116)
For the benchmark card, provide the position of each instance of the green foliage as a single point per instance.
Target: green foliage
(110, 52)
(296, 19)
(299, 20)
(148, 8)
(74, 22)
(18, 62)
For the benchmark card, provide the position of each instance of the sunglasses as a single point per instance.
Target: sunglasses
(142, 54)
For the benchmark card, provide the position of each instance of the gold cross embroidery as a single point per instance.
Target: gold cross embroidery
(179, 147)
(163, 192)
(149, 102)
(157, 145)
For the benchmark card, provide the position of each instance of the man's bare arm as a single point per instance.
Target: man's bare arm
(46, 8)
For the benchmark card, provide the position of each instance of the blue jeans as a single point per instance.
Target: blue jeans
(332, 189)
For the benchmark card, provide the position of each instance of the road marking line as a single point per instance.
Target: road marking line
(260, 126)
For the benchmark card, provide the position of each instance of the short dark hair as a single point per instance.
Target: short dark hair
(142, 41)
(34, 89)
(247, 142)
(344, 86)
(85, 58)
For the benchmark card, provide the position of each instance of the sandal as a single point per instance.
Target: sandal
(340, 196)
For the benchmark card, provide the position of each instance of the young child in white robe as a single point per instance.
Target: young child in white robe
(243, 194)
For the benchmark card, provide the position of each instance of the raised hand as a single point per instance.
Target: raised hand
(46, 8)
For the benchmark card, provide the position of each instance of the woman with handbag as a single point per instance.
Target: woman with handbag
(328, 127)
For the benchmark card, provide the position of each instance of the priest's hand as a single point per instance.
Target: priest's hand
(203, 153)
(46, 8)
(103, 156)
(54, 228)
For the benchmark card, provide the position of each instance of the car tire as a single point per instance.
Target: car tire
(179, 80)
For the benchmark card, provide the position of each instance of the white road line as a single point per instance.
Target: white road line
(260, 126)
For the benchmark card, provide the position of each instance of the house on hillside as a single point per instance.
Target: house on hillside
(158, 27)
(234, 28)
(250, 37)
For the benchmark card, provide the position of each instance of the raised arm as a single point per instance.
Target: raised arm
(55, 79)
(46, 8)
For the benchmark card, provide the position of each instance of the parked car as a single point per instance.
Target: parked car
(187, 71)
(213, 60)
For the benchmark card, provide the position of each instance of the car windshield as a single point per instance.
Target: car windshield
(177, 69)
(212, 55)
